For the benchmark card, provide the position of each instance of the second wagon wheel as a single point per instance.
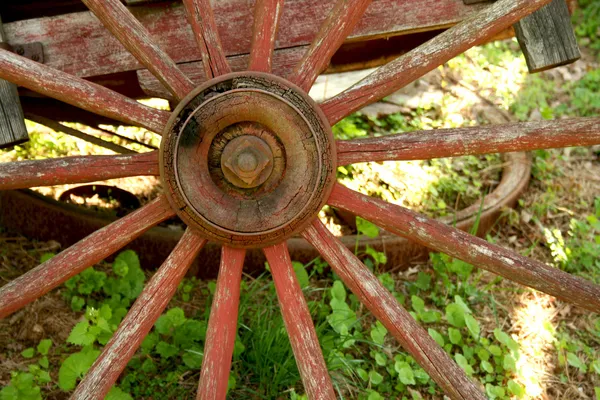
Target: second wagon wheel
(248, 160)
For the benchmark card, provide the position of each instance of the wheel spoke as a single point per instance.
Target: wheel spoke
(393, 76)
(81, 255)
(136, 39)
(468, 248)
(439, 143)
(201, 17)
(222, 327)
(266, 22)
(57, 126)
(338, 25)
(77, 169)
(384, 306)
(139, 320)
(79, 92)
(299, 325)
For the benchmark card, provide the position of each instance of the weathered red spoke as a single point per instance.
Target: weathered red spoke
(266, 22)
(299, 325)
(79, 92)
(81, 255)
(139, 320)
(423, 145)
(222, 327)
(201, 17)
(338, 25)
(132, 34)
(77, 169)
(384, 306)
(471, 249)
(393, 76)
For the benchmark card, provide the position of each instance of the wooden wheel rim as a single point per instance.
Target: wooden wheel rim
(229, 108)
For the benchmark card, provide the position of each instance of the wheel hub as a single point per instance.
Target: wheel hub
(248, 159)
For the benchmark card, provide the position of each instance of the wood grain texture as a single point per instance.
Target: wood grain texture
(424, 145)
(76, 169)
(132, 34)
(139, 320)
(547, 37)
(58, 127)
(266, 22)
(338, 25)
(384, 306)
(202, 19)
(222, 327)
(78, 92)
(388, 79)
(83, 254)
(299, 325)
(471, 249)
(78, 43)
(12, 124)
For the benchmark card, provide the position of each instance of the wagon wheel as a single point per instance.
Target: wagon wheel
(248, 159)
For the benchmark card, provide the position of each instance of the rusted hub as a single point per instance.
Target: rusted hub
(248, 159)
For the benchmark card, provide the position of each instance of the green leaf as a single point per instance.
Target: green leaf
(405, 374)
(375, 396)
(44, 377)
(596, 367)
(364, 375)
(494, 391)
(191, 332)
(418, 304)
(487, 367)
(495, 350)
(166, 350)
(483, 354)
(75, 367)
(170, 320)
(301, 274)
(366, 228)
(28, 353)
(380, 359)
(338, 291)
(44, 362)
(463, 363)
(455, 336)
(77, 303)
(430, 316)
(117, 394)
(455, 315)
(439, 339)
(80, 334)
(44, 346)
(378, 333)
(459, 301)
(423, 281)
(576, 362)
(509, 363)
(192, 357)
(120, 267)
(375, 377)
(472, 325)
(516, 389)
(149, 342)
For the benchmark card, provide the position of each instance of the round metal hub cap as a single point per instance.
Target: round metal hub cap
(248, 159)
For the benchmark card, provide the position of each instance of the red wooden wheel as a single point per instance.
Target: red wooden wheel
(248, 160)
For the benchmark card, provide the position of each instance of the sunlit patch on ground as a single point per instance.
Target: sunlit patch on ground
(533, 322)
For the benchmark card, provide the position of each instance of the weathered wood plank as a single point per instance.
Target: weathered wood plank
(222, 327)
(299, 325)
(83, 254)
(136, 39)
(139, 320)
(78, 43)
(424, 145)
(384, 306)
(547, 37)
(456, 243)
(405, 69)
(12, 123)
(76, 169)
